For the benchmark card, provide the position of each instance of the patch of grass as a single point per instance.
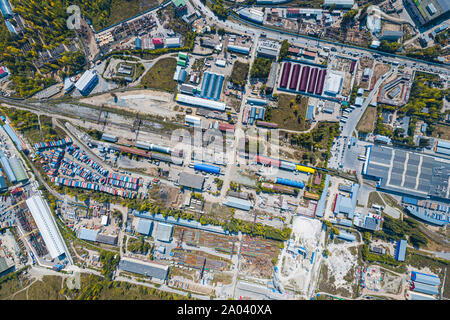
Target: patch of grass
(47, 289)
(374, 198)
(291, 112)
(367, 122)
(121, 10)
(160, 75)
(239, 73)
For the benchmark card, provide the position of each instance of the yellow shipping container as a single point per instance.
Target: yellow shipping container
(305, 169)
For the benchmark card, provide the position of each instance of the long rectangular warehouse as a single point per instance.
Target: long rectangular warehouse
(44, 221)
(148, 269)
(200, 102)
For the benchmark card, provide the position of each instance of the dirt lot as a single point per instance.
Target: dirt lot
(441, 131)
(367, 122)
(380, 69)
(142, 101)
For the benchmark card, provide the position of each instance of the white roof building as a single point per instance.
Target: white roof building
(105, 220)
(47, 227)
(334, 84)
(86, 80)
(173, 42)
(200, 102)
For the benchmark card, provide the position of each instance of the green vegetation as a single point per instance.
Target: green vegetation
(218, 8)
(367, 122)
(291, 112)
(348, 18)
(219, 183)
(374, 198)
(239, 73)
(389, 47)
(43, 32)
(260, 68)
(110, 261)
(285, 45)
(160, 75)
(397, 229)
(426, 94)
(139, 245)
(372, 257)
(428, 54)
(95, 288)
(316, 144)
(94, 133)
(49, 288)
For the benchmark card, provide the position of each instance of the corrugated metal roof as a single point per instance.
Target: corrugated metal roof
(163, 232)
(18, 169)
(425, 288)
(238, 203)
(144, 226)
(145, 268)
(85, 80)
(44, 221)
(191, 180)
(88, 234)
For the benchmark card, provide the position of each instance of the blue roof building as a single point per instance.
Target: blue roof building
(346, 236)
(323, 198)
(425, 288)
(400, 250)
(6, 10)
(13, 136)
(7, 167)
(425, 278)
(138, 44)
(238, 49)
(3, 186)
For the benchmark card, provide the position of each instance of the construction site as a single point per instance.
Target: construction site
(344, 65)
(299, 263)
(339, 269)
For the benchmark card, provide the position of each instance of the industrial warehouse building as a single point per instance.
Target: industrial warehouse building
(144, 227)
(425, 278)
(96, 236)
(87, 82)
(6, 266)
(44, 221)
(400, 250)
(238, 203)
(149, 269)
(238, 49)
(173, 42)
(212, 85)
(200, 102)
(180, 222)
(334, 84)
(163, 232)
(192, 181)
(3, 185)
(297, 77)
(252, 15)
(425, 12)
(408, 173)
